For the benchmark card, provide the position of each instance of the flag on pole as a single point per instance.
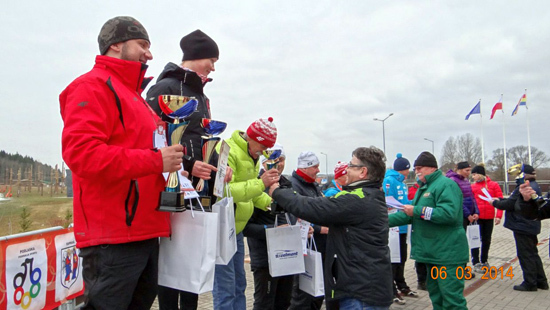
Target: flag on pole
(498, 106)
(522, 101)
(475, 110)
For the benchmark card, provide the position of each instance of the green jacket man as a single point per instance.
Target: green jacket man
(437, 238)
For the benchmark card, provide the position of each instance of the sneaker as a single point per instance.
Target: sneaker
(473, 276)
(478, 268)
(398, 299)
(422, 286)
(408, 293)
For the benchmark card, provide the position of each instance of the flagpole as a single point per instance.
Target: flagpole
(528, 134)
(505, 156)
(481, 122)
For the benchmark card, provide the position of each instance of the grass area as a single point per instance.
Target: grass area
(44, 211)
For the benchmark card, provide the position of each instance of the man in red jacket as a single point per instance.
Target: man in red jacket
(107, 142)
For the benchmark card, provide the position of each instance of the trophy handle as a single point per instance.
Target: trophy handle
(173, 182)
(200, 185)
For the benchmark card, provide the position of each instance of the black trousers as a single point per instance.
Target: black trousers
(485, 231)
(302, 300)
(120, 276)
(271, 293)
(529, 259)
(421, 271)
(398, 269)
(168, 299)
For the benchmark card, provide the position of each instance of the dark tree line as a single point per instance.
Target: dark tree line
(11, 164)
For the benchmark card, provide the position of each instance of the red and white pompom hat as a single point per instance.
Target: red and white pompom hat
(340, 169)
(263, 131)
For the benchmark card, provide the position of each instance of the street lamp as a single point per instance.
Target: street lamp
(383, 130)
(432, 141)
(326, 164)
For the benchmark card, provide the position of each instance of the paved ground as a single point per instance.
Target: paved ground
(480, 293)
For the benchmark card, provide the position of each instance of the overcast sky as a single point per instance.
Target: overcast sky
(322, 69)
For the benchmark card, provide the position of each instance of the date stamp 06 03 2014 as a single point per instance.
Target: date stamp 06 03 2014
(489, 273)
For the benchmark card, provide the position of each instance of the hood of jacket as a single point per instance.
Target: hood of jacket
(453, 175)
(190, 78)
(394, 174)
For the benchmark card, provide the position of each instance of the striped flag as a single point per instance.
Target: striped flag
(522, 101)
(498, 106)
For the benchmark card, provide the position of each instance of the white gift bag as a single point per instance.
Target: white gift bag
(187, 259)
(227, 239)
(312, 281)
(474, 239)
(393, 243)
(284, 250)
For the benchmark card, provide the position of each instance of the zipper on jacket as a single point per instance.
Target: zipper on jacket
(117, 99)
(130, 216)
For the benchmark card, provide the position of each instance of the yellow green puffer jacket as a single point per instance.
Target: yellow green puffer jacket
(247, 190)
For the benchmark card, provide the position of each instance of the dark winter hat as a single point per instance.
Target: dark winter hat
(426, 159)
(529, 169)
(479, 170)
(401, 163)
(463, 165)
(120, 29)
(198, 45)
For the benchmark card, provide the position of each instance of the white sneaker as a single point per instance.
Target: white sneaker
(478, 268)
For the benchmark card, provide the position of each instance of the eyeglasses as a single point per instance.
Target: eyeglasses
(350, 165)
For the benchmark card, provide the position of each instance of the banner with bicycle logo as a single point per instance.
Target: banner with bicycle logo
(39, 270)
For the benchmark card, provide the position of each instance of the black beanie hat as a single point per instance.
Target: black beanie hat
(463, 165)
(120, 29)
(528, 169)
(198, 45)
(426, 159)
(479, 170)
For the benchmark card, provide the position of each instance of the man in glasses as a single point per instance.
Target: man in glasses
(437, 237)
(357, 269)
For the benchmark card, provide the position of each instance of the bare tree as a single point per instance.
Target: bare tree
(496, 165)
(515, 155)
(461, 148)
(448, 153)
(520, 154)
(469, 148)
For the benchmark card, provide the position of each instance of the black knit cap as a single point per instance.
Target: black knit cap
(120, 29)
(425, 159)
(528, 169)
(479, 170)
(198, 45)
(463, 165)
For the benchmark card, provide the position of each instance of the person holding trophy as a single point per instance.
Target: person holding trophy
(200, 53)
(270, 293)
(248, 192)
(117, 173)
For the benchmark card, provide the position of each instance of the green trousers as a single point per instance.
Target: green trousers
(445, 288)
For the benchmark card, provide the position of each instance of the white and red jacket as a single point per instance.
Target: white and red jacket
(486, 210)
(107, 142)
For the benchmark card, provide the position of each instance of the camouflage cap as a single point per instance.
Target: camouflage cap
(120, 29)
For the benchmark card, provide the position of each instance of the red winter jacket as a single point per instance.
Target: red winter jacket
(107, 142)
(486, 210)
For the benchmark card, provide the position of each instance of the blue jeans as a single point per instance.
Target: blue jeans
(230, 281)
(356, 304)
